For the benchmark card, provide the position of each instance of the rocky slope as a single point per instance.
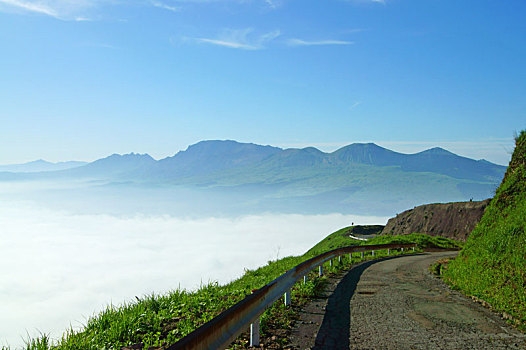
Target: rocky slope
(451, 220)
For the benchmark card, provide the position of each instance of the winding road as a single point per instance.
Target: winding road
(395, 303)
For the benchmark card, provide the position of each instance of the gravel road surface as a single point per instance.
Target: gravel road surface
(395, 303)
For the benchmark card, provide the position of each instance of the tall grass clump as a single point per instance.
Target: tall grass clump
(492, 265)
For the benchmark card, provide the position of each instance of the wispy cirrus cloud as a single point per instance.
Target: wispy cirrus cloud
(30, 6)
(301, 42)
(83, 10)
(355, 104)
(162, 5)
(383, 2)
(240, 39)
(273, 3)
(61, 9)
(78, 10)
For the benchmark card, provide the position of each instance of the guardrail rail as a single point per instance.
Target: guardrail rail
(222, 330)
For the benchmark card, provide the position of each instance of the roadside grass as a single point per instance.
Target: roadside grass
(492, 265)
(423, 241)
(335, 240)
(160, 320)
(341, 239)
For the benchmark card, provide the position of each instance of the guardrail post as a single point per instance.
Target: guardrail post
(388, 251)
(330, 263)
(320, 271)
(413, 248)
(287, 297)
(305, 279)
(350, 256)
(373, 252)
(339, 259)
(402, 249)
(254, 333)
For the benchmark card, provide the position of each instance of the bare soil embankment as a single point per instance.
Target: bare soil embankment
(450, 220)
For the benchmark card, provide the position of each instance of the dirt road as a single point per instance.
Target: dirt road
(395, 303)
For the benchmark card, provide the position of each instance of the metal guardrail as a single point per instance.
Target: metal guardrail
(222, 330)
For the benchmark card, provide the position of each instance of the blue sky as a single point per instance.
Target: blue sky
(87, 78)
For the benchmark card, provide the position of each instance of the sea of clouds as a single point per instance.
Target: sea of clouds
(58, 268)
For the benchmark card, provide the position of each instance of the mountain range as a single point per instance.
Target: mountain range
(363, 176)
(40, 165)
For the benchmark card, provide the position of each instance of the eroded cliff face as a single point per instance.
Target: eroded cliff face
(451, 220)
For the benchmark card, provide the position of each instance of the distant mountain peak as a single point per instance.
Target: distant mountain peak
(131, 155)
(438, 150)
(312, 150)
(225, 145)
(40, 165)
(370, 146)
(209, 156)
(366, 153)
(39, 162)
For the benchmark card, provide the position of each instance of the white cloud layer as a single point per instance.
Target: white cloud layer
(59, 268)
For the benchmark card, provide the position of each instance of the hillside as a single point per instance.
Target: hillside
(492, 265)
(341, 238)
(451, 220)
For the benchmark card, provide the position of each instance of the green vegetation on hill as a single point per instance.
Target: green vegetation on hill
(492, 265)
(335, 240)
(341, 238)
(423, 241)
(158, 320)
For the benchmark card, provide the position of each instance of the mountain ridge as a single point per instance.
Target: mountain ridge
(363, 176)
(215, 156)
(361, 153)
(40, 165)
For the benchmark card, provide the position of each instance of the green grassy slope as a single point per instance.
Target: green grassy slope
(341, 238)
(492, 265)
(158, 320)
(423, 241)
